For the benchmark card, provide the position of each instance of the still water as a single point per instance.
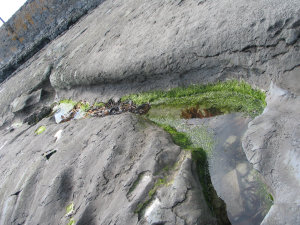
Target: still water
(234, 179)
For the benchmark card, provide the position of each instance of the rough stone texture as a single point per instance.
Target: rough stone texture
(135, 45)
(33, 26)
(180, 42)
(272, 145)
(180, 202)
(95, 165)
(25, 101)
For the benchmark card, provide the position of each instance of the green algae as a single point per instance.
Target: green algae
(70, 209)
(67, 101)
(40, 130)
(229, 96)
(71, 221)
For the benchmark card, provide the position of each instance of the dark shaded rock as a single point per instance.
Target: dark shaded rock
(37, 116)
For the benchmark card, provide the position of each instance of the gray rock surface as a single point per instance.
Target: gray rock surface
(129, 46)
(272, 145)
(25, 101)
(95, 166)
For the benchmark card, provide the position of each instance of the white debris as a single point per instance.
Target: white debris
(58, 135)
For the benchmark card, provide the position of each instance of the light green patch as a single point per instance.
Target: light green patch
(70, 209)
(84, 106)
(71, 222)
(68, 101)
(40, 130)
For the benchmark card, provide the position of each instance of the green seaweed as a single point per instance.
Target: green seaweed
(266, 198)
(71, 221)
(70, 208)
(229, 96)
(84, 106)
(40, 130)
(67, 101)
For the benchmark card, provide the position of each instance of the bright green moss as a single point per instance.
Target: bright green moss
(70, 208)
(84, 106)
(40, 130)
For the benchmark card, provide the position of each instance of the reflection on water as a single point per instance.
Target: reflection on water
(234, 179)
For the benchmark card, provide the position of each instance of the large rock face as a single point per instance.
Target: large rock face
(104, 166)
(272, 145)
(128, 46)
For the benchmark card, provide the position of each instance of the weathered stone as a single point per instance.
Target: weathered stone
(271, 145)
(25, 101)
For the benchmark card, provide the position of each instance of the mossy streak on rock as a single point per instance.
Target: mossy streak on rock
(229, 96)
(143, 205)
(135, 183)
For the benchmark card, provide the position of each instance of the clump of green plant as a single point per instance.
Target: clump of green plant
(71, 221)
(84, 106)
(229, 96)
(186, 136)
(70, 209)
(40, 130)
